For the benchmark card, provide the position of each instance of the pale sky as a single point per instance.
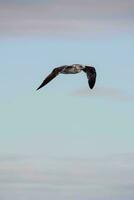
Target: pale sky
(66, 141)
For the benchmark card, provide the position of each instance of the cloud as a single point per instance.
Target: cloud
(110, 176)
(64, 18)
(106, 92)
(11, 158)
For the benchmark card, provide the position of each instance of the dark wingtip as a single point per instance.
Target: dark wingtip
(39, 88)
(91, 83)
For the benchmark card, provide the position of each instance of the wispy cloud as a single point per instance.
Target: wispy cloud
(65, 17)
(106, 92)
(111, 177)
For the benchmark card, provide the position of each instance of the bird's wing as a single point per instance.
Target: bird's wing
(51, 76)
(91, 75)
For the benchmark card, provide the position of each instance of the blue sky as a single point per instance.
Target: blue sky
(66, 141)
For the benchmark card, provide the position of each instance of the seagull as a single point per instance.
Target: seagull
(72, 69)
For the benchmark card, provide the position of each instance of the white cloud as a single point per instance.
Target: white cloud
(106, 92)
(66, 17)
(110, 177)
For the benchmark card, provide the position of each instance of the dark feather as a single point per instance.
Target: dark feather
(91, 75)
(51, 76)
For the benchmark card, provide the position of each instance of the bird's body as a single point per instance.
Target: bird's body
(72, 69)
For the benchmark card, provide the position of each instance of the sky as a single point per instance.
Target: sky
(66, 141)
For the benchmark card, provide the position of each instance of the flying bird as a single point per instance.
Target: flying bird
(72, 69)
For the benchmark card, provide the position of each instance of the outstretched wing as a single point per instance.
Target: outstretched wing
(91, 75)
(51, 76)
